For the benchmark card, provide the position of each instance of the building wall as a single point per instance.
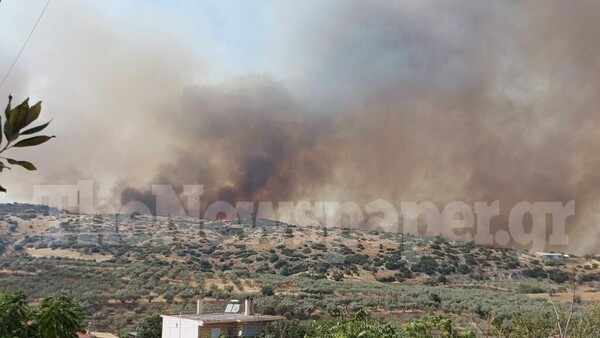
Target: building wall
(247, 329)
(252, 329)
(553, 256)
(172, 325)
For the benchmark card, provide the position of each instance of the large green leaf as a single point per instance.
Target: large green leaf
(32, 114)
(36, 129)
(8, 108)
(33, 141)
(24, 111)
(16, 120)
(6, 130)
(24, 164)
(9, 126)
(7, 115)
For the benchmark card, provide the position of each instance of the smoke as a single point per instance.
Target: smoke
(403, 101)
(248, 140)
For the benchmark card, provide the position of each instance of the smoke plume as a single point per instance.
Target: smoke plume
(403, 101)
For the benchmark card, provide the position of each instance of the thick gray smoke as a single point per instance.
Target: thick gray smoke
(249, 141)
(403, 101)
(410, 101)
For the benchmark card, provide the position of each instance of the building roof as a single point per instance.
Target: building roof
(209, 318)
(96, 335)
(551, 254)
(103, 335)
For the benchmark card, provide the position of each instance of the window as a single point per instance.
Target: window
(215, 333)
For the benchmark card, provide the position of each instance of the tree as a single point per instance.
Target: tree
(16, 119)
(13, 314)
(362, 324)
(435, 298)
(58, 317)
(563, 321)
(433, 326)
(289, 329)
(150, 326)
(169, 296)
(267, 290)
(583, 324)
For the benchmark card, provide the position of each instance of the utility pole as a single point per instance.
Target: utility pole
(401, 244)
(180, 314)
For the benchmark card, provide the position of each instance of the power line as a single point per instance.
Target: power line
(25, 44)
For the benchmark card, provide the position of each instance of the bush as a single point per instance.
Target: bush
(288, 329)
(356, 259)
(426, 264)
(386, 279)
(558, 276)
(526, 288)
(267, 290)
(589, 277)
(536, 272)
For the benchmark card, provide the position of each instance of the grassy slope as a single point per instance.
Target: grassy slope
(177, 259)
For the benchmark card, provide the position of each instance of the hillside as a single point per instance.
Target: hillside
(126, 264)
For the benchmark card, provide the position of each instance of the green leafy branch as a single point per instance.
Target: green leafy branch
(16, 120)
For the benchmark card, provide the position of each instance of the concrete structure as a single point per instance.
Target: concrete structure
(95, 335)
(212, 325)
(552, 255)
(103, 335)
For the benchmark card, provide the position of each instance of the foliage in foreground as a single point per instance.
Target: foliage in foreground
(16, 119)
(150, 326)
(364, 325)
(55, 317)
(584, 324)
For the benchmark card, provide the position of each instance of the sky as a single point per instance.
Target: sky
(80, 48)
(318, 100)
(220, 39)
(234, 32)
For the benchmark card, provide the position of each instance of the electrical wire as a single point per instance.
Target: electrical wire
(24, 45)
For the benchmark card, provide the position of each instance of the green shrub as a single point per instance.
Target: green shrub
(356, 259)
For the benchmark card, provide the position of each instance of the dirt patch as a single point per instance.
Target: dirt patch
(565, 297)
(64, 253)
(16, 272)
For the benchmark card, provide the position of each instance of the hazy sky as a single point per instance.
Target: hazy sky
(81, 47)
(237, 33)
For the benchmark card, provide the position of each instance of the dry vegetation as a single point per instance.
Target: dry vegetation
(120, 267)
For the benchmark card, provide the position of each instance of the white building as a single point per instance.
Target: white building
(212, 325)
(552, 255)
